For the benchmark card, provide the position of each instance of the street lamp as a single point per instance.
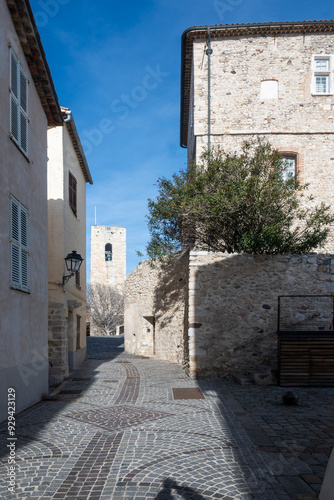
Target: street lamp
(73, 262)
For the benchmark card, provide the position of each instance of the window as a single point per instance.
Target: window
(322, 81)
(77, 279)
(269, 89)
(19, 246)
(78, 332)
(108, 253)
(18, 104)
(72, 186)
(290, 169)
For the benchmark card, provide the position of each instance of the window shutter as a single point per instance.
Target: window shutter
(24, 111)
(15, 264)
(24, 269)
(18, 103)
(14, 118)
(19, 268)
(24, 228)
(23, 91)
(24, 132)
(15, 220)
(14, 81)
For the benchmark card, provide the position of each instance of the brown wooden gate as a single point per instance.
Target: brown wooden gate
(306, 357)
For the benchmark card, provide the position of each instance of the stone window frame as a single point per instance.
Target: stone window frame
(294, 152)
(322, 73)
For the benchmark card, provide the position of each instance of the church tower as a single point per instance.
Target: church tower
(108, 256)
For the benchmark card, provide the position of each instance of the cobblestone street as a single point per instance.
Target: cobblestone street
(127, 427)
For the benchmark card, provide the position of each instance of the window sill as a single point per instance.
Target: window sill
(19, 289)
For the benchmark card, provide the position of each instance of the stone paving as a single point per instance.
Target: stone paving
(117, 430)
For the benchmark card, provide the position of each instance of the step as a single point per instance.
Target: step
(242, 379)
(262, 378)
(268, 370)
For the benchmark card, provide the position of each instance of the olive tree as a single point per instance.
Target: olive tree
(236, 203)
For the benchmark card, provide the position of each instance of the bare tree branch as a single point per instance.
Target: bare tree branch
(106, 308)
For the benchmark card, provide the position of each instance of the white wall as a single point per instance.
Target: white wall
(23, 320)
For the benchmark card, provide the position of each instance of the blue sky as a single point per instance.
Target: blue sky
(116, 65)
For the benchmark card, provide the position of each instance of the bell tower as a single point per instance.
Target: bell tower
(108, 256)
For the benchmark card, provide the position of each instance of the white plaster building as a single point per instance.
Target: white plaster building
(274, 80)
(68, 173)
(27, 110)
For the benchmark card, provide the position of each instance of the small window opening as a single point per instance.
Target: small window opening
(290, 170)
(108, 252)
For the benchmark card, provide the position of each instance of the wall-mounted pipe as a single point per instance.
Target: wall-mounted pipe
(68, 116)
(209, 52)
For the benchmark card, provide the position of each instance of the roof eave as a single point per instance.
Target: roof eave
(74, 135)
(32, 47)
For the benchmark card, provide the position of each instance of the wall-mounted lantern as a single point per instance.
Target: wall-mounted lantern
(73, 262)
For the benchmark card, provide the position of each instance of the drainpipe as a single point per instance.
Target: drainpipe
(209, 52)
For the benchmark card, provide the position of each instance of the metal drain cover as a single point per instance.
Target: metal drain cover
(187, 393)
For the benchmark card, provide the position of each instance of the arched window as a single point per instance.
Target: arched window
(108, 252)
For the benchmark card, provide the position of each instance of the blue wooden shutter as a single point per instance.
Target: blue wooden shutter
(15, 243)
(24, 248)
(19, 267)
(18, 103)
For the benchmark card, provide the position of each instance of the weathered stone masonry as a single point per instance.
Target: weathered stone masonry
(233, 305)
(262, 85)
(228, 312)
(58, 344)
(155, 310)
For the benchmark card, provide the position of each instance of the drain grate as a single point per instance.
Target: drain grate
(187, 393)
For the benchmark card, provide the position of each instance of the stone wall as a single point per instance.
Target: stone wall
(217, 313)
(240, 65)
(293, 119)
(233, 305)
(58, 344)
(155, 321)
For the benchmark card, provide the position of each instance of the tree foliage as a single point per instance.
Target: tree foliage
(235, 203)
(106, 308)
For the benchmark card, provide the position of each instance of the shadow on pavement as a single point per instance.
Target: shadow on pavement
(184, 492)
(32, 420)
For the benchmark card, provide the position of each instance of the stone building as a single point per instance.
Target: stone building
(68, 174)
(29, 105)
(108, 256)
(273, 80)
(108, 267)
(238, 82)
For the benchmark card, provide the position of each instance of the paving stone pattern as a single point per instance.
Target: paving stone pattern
(113, 430)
